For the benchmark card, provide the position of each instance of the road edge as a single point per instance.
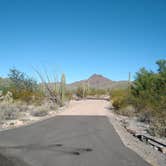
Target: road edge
(149, 154)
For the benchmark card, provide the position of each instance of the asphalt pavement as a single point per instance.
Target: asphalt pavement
(66, 141)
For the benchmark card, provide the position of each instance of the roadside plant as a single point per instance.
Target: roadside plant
(62, 89)
(39, 111)
(8, 111)
(56, 91)
(147, 97)
(22, 87)
(119, 98)
(82, 91)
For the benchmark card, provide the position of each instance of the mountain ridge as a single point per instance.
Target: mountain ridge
(99, 81)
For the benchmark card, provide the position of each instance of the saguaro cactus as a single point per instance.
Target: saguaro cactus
(62, 88)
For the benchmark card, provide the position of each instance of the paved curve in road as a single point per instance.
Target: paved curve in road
(66, 141)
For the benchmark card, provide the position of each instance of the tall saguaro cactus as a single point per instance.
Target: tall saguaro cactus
(62, 88)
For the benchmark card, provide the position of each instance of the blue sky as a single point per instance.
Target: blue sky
(82, 37)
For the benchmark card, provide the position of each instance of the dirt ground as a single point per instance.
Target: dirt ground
(86, 107)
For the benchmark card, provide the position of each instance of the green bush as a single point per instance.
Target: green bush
(149, 97)
(69, 95)
(4, 85)
(96, 92)
(127, 110)
(82, 91)
(149, 89)
(119, 98)
(23, 87)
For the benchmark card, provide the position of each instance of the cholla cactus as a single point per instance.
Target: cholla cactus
(8, 97)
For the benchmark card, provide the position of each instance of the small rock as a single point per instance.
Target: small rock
(163, 149)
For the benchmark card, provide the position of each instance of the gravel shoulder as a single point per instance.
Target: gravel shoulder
(152, 156)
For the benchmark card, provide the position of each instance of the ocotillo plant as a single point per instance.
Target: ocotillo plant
(52, 95)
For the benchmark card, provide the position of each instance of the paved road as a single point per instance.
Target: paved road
(66, 141)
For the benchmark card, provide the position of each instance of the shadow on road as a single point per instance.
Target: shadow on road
(11, 161)
(51, 147)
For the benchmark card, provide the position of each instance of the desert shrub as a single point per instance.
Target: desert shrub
(39, 111)
(23, 87)
(69, 95)
(8, 112)
(79, 92)
(4, 85)
(149, 89)
(158, 127)
(119, 98)
(149, 97)
(97, 92)
(127, 110)
(82, 91)
(142, 89)
(22, 107)
(20, 80)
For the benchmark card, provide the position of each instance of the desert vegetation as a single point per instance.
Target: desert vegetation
(84, 91)
(147, 98)
(144, 98)
(22, 95)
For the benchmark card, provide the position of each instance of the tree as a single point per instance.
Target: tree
(161, 66)
(21, 85)
(149, 89)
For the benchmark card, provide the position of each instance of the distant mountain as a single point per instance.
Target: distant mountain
(99, 82)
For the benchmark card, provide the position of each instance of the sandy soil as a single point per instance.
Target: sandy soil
(86, 107)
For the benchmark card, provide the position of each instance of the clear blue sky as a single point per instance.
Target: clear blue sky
(82, 37)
